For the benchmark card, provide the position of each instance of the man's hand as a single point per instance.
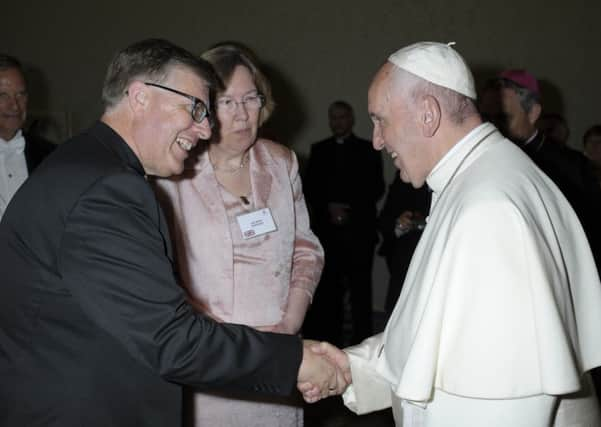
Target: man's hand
(311, 391)
(319, 376)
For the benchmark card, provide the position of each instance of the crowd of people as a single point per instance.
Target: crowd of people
(169, 266)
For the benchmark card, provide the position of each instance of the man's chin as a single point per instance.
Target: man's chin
(176, 171)
(7, 133)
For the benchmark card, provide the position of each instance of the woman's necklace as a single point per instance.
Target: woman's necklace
(237, 169)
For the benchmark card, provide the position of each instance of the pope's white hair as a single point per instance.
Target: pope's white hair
(411, 88)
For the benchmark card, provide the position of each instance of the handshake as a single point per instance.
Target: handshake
(324, 371)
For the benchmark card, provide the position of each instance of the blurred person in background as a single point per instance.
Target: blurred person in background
(343, 183)
(20, 151)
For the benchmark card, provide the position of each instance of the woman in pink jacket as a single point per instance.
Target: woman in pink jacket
(244, 248)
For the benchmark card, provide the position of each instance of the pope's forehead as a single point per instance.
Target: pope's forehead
(382, 82)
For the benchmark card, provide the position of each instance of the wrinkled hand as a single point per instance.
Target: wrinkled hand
(311, 391)
(319, 376)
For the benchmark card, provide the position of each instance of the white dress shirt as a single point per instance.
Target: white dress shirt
(13, 168)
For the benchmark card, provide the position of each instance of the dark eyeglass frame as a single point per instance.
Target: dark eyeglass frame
(204, 112)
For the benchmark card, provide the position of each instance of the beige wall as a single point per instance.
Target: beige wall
(315, 51)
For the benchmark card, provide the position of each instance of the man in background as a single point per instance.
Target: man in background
(512, 101)
(343, 183)
(401, 223)
(591, 141)
(20, 152)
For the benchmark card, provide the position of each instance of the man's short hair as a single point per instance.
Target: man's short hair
(9, 62)
(528, 98)
(149, 60)
(343, 105)
(226, 56)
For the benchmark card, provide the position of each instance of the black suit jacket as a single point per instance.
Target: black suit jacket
(94, 330)
(36, 150)
(358, 182)
(401, 197)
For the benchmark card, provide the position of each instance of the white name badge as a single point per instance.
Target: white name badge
(256, 223)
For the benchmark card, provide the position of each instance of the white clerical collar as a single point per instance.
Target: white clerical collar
(446, 167)
(534, 135)
(14, 145)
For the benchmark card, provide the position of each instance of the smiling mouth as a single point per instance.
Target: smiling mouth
(184, 144)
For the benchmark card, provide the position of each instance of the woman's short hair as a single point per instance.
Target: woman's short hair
(225, 57)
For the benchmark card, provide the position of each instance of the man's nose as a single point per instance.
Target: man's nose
(203, 129)
(377, 141)
(12, 101)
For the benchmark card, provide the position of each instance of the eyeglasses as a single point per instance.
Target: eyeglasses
(250, 102)
(199, 111)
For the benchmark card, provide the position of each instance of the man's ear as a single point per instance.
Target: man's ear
(430, 116)
(534, 113)
(138, 96)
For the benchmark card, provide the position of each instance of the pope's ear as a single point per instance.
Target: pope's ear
(430, 115)
(137, 96)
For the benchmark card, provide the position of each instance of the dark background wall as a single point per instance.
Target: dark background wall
(314, 51)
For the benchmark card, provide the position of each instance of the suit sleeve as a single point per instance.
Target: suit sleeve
(378, 184)
(307, 260)
(314, 188)
(393, 207)
(113, 257)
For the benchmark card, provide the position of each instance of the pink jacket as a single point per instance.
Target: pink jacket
(203, 244)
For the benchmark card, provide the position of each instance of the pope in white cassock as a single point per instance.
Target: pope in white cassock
(499, 320)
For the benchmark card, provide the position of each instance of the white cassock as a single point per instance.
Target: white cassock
(500, 313)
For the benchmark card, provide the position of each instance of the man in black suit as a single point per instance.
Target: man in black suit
(512, 101)
(20, 152)
(401, 222)
(343, 184)
(94, 330)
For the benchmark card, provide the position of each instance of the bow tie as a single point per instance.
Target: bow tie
(15, 146)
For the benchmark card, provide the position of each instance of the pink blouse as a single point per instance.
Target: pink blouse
(232, 279)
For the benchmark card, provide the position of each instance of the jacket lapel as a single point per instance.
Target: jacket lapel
(260, 178)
